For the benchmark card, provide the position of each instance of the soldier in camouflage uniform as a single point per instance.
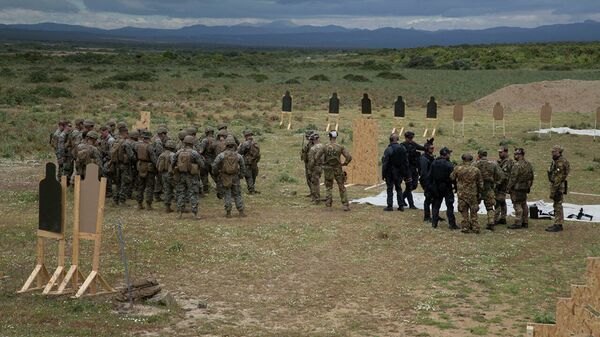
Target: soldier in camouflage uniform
(88, 125)
(159, 146)
(519, 185)
(112, 126)
(223, 128)
(557, 175)
(106, 142)
(251, 152)
(180, 135)
(331, 154)
(54, 137)
(469, 184)
(218, 147)
(133, 141)
(66, 147)
(207, 150)
(121, 157)
(230, 166)
(88, 153)
(186, 164)
(491, 175)
(315, 168)
(146, 168)
(304, 157)
(165, 171)
(505, 164)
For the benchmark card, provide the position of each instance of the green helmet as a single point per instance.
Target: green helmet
(248, 133)
(222, 126)
(88, 122)
(192, 130)
(189, 140)
(222, 133)
(146, 134)
(209, 130)
(170, 145)
(161, 129)
(92, 134)
(135, 134)
(181, 135)
(229, 141)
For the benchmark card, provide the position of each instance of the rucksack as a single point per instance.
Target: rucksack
(184, 161)
(332, 155)
(117, 152)
(84, 155)
(231, 165)
(163, 161)
(254, 151)
(142, 152)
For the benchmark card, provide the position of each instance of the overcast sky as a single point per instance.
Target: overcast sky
(371, 14)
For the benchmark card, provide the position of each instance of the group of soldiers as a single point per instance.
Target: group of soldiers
(473, 180)
(157, 167)
(325, 159)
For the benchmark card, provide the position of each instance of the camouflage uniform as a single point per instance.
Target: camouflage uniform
(159, 147)
(519, 185)
(491, 175)
(165, 171)
(331, 154)
(66, 147)
(105, 145)
(88, 154)
(206, 149)
(304, 158)
(230, 182)
(469, 184)
(218, 147)
(315, 169)
(188, 185)
(251, 152)
(121, 157)
(54, 138)
(146, 168)
(505, 165)
(557, 175)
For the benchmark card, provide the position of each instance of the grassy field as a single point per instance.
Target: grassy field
(290, 268)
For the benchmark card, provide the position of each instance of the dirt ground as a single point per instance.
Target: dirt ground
(564, 96)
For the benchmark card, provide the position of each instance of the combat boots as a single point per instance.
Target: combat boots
(140, 206)
(555, 228)
(489, 227)
(388, 209)
(501, 222)
(242, 214)
(346, 208)
(168, 209)
(228, 214)
(149, 206)
(180, 215)
(515, 226)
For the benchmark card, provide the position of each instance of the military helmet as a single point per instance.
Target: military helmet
(123, 128)
(229, 141)
(482, 153)
(520, 150)
(467, 157)
(307, 133)
(222, 133)
(189, 139)
(181, 134)
(558, 148)
(409, 134)
(92, 134)
(146, 134)
(161, 129)
(121, 125)
(208, 130)
(134, 134)
(192, 130)
(88, 122)
(248, 133)
(170, 145)
(314, 136)
(111, 122)
(78, 121)
(444, 151)
(222, 126)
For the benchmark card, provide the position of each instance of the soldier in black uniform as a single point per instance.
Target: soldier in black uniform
(424, 165)
(395, 168)
(412, 149)
(442, 188)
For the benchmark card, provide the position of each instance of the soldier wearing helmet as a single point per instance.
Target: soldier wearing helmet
(206, 149)
(331, 155)
(519, 185)
(165, 173)
(146, 164)
(306, 145)
(229, 166)
(88, 153)
(250, 150)
(158, 146)
(223, 127)
(557, 176)
(186, 163)
(412, 150)
(505, 164)
(315, 168)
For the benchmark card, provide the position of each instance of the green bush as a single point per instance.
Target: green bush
(7, 72)
(258, 78)
(110, 85)
(356, 78)
(374, 65)
(286, 178)
(38, 77)
(319, 77)
(292, 81)
(556, 67)
(423, 62)
(391, 76)
(52, 92)
(17, 96)
(139, 76)
(544, 318)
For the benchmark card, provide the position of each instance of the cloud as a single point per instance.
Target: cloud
(53, 6)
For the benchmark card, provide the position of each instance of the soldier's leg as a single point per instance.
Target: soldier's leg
(254, 175)
(236, 191)
(150, 180)
(436, 203)
(127, 183)
(500, 209)
(181, 192)
(389, 186)
(68, 169)
(339, 178)
(525, 213)
(489, 202)
(220, 189)
(158, 187)
(194, 187)
(450, 211)
(518, 206)
(398, 187)
(474, 217)
(167, 189)
(464, 214)
(328, 187)
(227, 196)
(427, 206)
(140, 188)
(558, 209)
(204, 179)
(117, 180)
(307, 174)
(314, 187)
(317, 183)
(249, 180)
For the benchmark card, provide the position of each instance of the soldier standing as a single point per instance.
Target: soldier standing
(158, 146)
(87, 153)
(394, 168)
(505, 164)
(304, 157)
(519, 185)
(331, 154)
(412, 149)
(424, 167)
(186, 163)
(315, 168)
(491, 175)
(223, 128)
(207, 150)
(121, 157)
(469, 184)
(219, 146)
(66, 148)
(251, 152)
(106, 142)
(557, 175)
(146, 163)
(133, 140)
(230, 166)
(54, 137)
(180, 135)
(165, 171)
(442, 188)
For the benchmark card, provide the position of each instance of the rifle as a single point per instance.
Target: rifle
(581, 215)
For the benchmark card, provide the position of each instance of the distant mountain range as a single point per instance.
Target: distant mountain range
(286, 34)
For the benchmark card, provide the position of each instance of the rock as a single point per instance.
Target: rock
(202, 305)
(164, 298)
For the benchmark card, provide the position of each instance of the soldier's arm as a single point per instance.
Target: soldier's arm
(217, 163)
(199, 159)
(479, 182)
(242, 165)
(453, 175)
(559, 174)
(385, 161)
(347, 156)
(243, 148)
(153, 156)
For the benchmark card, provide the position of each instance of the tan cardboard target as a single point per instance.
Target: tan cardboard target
(144, 122)
(90, 193)
(498, 121)
(458, 117)
(363, 168)
(546, 113)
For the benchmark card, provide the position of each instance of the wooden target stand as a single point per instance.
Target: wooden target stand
(362, 170)
(497, 117)
(596, 123)
(144, 122)
(286, 110)
(399, 114)
(52, 224)
(88, 216)
(334, 113)
(546, 117)
(458, 117)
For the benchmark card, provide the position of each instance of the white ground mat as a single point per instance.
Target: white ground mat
(593, 210)
(588, 132)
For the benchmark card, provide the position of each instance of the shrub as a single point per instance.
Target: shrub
(555, 67)
(258, 78)
(391, 76)
(7, 72)
(52, 92)
(356, 78)
(38, 77)
(15, 96)
(286, 178)
(292, 81)
(110, 85)
(139, 76)
(373, 65)
(426, 62)
(319, 77)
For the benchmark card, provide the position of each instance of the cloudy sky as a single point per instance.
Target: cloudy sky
(371, 14)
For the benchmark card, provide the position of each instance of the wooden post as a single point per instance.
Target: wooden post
(596, 122)
(330, 119)
(400, 121)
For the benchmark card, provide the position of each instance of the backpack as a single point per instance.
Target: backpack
(117, 152)
(142, 152)
(163, 161)
(231, 164)
(332, 155)
(220, 147)
(254, 151)
(184, 161)
(84, 155)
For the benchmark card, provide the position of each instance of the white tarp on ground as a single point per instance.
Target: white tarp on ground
(588, 132)
(419, 198)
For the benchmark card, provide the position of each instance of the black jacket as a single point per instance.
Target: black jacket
(424, 166)
(395, 161)
(412, 149)
(439, 176)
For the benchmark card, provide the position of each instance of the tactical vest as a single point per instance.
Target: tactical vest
(487, 170)
(184, 161)
(231, 165)
(142, 152)
(332, 155)
(164, 162)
